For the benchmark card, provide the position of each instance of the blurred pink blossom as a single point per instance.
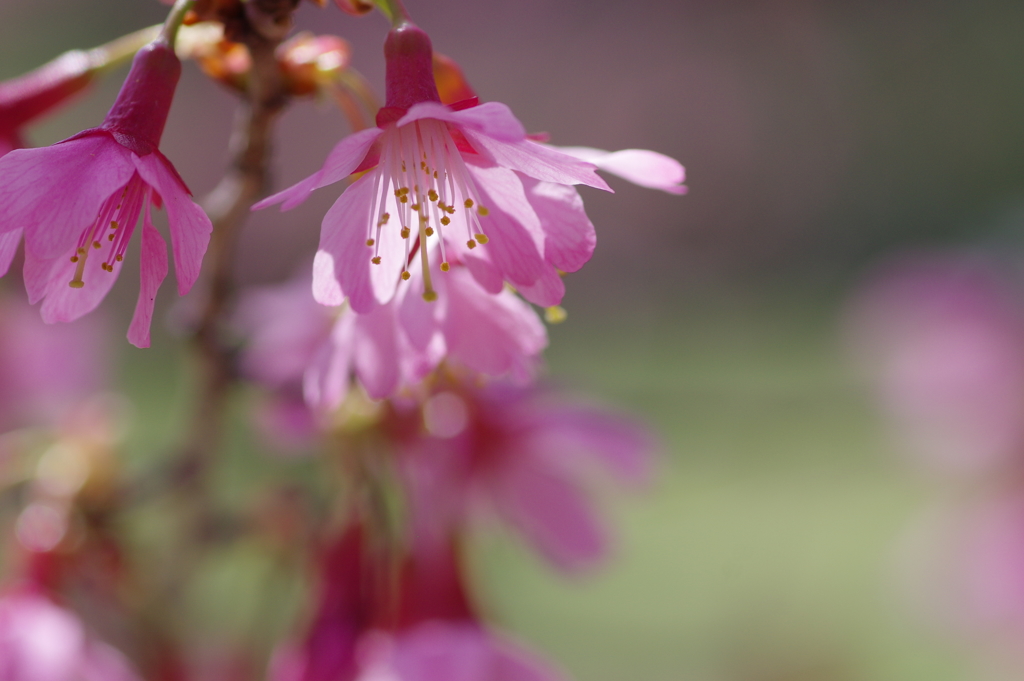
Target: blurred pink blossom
(88, 191)
(40, 641)
(524, 454)
(943, 337)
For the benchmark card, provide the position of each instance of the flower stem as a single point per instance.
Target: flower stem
(120, 50)
(394, 10)
(169, 32)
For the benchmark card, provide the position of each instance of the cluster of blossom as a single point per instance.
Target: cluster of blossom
(413, 339)
(943, 337)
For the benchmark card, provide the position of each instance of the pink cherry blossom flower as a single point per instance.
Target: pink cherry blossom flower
(294, 340)
(942, 336)
(79, 201)
(445, 180)
(642, 167)
(40, 641)
(520, 453)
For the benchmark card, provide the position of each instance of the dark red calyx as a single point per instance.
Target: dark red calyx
(410, 70)
(27, 97)
(137, 118)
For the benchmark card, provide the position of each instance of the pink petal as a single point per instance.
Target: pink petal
(345, 257)
(55, 192)
(552, 513)
(640, 166)
(65, 304)
(492, 119)
(341, 162)
(37, 273)
(569, 234)
(325, 383)
(190, 226)
(153, 270)
(488, 333)
(375, 352)
(483, 270)
(8, 249)
(537, 161)
(516, 241)
(419, 318)
(547, 291)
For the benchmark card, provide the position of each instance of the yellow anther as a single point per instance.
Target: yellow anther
(450, 210)
(445, 220)
(384, 218)
(424, 219)
(113, 224)
(74, 258)
(482, 239)
(370, 242)
(76, 283)
(375, 260)
(468, 203)
(398, 192)
(429, 231)
(445, 267)
(432, 195)
(405, 232)
(471, 244)
(415, 206)
(405, 275)
(110, 237)
(482, 210)
(118, 258)
(96, 244)
(435, 174)
(403, 198)
(555, 314)
(81, 250)
(430, 296)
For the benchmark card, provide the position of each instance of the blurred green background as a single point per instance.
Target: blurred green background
(818, 137)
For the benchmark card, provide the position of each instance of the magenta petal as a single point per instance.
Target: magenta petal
(569, 235)
(552, 513)
(153, 270)
(375, 355)
(190, 226)
(516, 242)
(492, 119)
(37, 273)
(547, 291)
(640, 166)
(8, 249)
(55, 192)
(66, 304)
(345, 256)
(341, 162)
(538, 161)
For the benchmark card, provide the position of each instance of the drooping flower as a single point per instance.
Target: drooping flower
(293, 340)
(436, 175)
(79, 202)
(520, 453)
(40, 641)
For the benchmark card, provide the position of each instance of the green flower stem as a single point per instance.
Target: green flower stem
(111, 55)
(174, 19)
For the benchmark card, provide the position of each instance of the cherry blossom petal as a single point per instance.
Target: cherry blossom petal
(492, 119)
(55, 192)
(153, 267)
(375, 351)
(537, 161)
(341, 162)
(547, 291)
(64, 303)
(325, 383)
(640, 166)
(569, 237)
(189, 225)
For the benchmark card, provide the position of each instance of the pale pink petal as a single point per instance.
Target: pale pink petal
(569, 235)
(419, 318)
(153, 267)
(492, 119)
(65, 304)
(375, 353)
(325, 383)
(8, 249)
(345, 257)
(488, 333)
(640, 166)
(516, 242)
(483, 270)
(547, 291)
(551, 512)
(326, 289)
(341, 162)
(190, 226)
(567, 433)
(537, 161)
(55, 192)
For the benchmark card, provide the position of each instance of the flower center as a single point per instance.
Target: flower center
(117, 219)
(424, 179)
